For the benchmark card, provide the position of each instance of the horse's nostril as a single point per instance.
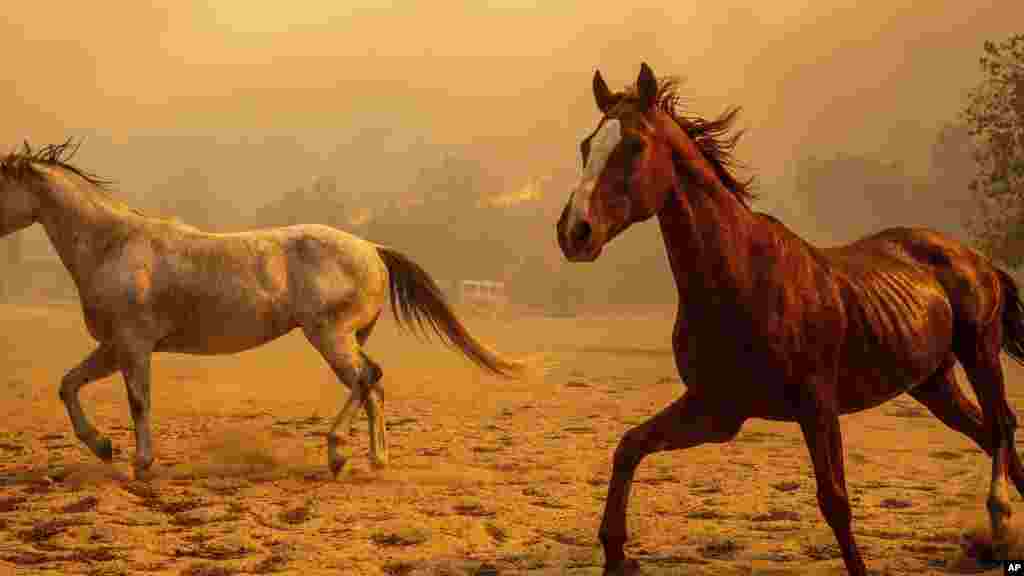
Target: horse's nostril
(581, 233)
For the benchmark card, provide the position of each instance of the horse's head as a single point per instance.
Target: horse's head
(19, 203)
(626, 170)
(642, 152)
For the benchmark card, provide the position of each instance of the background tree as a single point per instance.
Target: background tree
(994, 116)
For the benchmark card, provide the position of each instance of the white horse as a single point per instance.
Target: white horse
(153, 285)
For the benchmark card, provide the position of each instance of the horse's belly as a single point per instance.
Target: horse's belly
(874, 382)
(850, 403)
(218, 333)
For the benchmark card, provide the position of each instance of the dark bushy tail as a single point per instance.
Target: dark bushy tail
(416, 301)
(1013, 318)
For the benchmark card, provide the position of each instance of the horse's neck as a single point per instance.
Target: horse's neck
(707, 232)
(80, 224)
(706, 239)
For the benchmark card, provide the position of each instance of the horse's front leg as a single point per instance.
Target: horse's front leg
(100, 364)
(689, 421)
(824, 438)
(135, 366)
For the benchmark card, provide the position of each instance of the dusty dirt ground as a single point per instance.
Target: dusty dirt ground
(487, 476)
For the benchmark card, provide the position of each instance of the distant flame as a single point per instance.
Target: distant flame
(360, 217)
(529, 192)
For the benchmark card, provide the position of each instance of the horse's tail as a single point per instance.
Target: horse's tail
(417, 300)
(1013, 318)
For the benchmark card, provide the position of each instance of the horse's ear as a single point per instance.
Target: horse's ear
(602, 95)
(647, 87)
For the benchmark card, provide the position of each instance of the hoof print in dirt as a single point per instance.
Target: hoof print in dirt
(297, 515)
(409, 536)
(175, 507)
(497, 533)
(43, 531)
(664, 561)
(704, 491)
(84, 505)
(775, 556)
(471, 508)
(486, 570)
(141, 490)
(272, 564)
(12, 503)
(208, 569)
(786, 486)
(400, 422)
(196, 517)
(895, 503)
(41, 486)
(569, 539)
(228, 549)
(671, 479)
(108, 570)
(721, 549)
(822, 551)
(550, 503)
(398, 568)
(90, 555)
(705, 515)
(26, 558)
(776, 516)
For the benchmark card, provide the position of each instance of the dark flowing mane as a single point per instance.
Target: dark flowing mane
(21, 163)
(716, 138)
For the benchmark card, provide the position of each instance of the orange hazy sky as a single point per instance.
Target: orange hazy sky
(511, 78)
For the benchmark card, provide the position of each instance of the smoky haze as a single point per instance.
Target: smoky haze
(252, 101)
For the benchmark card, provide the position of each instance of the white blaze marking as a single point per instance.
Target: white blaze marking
(601, 146)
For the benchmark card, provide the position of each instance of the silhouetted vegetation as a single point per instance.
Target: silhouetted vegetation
(994, 116)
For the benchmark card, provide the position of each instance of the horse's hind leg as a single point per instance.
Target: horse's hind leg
(980, 358)
(943, 397)
(374, 397)
(135, 367)
(338, 346)
(375, 413)
(102, 362)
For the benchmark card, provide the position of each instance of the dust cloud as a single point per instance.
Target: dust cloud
(227, 115)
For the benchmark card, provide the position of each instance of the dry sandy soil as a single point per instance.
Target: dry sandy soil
(486, 477)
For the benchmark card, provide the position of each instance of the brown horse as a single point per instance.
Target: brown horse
(769, 326)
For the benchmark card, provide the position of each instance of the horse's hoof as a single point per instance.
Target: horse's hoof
(105, 449)
(628, 567)
(143, 467)
(336, 466)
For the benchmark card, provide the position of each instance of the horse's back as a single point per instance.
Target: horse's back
(246, 288)
(968, 280)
